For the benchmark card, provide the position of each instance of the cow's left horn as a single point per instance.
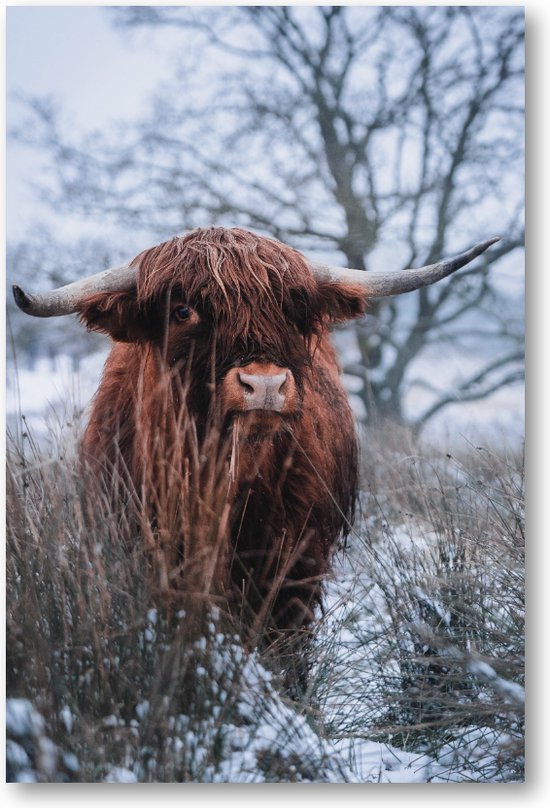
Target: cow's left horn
(66, 299)
(383, 284)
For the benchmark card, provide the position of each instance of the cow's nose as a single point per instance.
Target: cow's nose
(263, 392)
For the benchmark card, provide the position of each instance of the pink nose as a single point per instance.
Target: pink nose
(262, 392)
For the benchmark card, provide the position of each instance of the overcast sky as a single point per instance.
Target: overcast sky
(97, 74)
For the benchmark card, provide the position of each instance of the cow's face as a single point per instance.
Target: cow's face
(234, 313)
(250, 372)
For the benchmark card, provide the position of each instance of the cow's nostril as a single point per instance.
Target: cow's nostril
(245, 380)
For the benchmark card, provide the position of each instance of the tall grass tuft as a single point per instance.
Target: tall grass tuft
(120, 637)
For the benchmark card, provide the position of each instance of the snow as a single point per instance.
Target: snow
(67, 718)
(512, 691)
(356, 614)
(268, 734)
(21, 719)
(380, 763)
(142, 709)
(51, 395)
(269, 737)
(31, 756)
(118, 774)
(17, 755)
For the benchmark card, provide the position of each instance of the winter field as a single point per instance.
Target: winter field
(417, 669)
(373, 137)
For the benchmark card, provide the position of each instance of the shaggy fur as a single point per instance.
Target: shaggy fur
(290, 479)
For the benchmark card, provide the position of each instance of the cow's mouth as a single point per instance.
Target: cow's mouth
(261, 418)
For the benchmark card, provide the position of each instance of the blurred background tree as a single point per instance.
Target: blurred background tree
(371, 137)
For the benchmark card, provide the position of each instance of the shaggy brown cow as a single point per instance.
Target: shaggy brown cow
(225, 327)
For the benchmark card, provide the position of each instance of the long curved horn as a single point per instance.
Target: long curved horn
(66, 299)
(383, 284)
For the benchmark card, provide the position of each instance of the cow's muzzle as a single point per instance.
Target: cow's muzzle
(259, 386)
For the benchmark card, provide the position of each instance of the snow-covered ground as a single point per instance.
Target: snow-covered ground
(262, 737)
(53, 395)
(267, 736)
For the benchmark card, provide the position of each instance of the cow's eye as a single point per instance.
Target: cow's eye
(181, 313)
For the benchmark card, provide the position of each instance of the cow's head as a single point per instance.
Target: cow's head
(235, 312)
(240, 314)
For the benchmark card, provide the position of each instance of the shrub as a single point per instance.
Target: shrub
(430, 640)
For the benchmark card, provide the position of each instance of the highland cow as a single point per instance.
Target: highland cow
(225, 329)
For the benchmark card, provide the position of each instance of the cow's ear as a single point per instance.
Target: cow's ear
(116, 314)
(341, 301)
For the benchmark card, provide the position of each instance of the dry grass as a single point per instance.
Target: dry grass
(422, 644)
(118, 609)
(95, 622)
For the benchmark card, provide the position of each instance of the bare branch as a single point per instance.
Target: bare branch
(479, 386)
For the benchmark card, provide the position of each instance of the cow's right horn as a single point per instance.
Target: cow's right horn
(384, 284)
(66, 299)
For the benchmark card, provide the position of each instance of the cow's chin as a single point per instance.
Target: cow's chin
(258, 424)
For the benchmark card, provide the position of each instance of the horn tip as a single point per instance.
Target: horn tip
(484, 245)
(21, 298)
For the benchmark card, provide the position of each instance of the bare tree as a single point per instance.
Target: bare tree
(365, 135)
